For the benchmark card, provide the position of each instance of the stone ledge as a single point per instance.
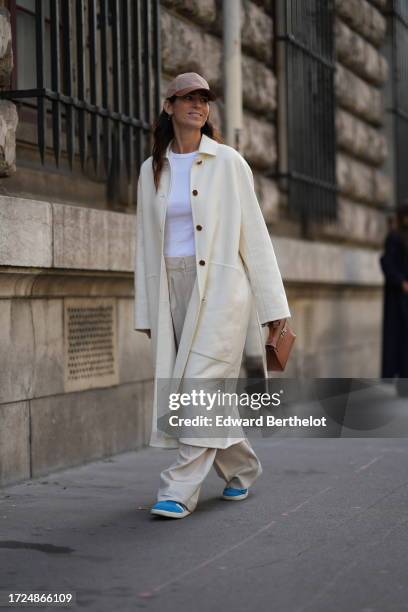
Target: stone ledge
(309, 262)
(42, 234)
(93, 234)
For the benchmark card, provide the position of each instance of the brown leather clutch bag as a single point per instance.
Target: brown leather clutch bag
(277, 354)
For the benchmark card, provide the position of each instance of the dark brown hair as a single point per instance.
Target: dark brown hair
(163, 133)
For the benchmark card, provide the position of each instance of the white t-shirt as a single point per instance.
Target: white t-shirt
(179, 240)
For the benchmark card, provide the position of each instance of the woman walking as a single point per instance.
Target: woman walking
(394, 263)
(203, 252)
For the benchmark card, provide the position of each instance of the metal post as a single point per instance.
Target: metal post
(232, 72)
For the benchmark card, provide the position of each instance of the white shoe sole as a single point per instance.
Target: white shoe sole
(235, 497)
(169, 514)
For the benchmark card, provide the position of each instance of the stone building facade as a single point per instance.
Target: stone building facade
(64, 255)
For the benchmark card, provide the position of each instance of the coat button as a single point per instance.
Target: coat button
(195, 192)
(200, 161)
(202, 262)
(199, 227)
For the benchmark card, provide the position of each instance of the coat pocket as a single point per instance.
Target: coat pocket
(223, 320)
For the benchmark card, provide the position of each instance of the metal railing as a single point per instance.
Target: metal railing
(307, 161)
(104, 83)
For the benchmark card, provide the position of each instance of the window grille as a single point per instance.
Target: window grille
(397, 16)
(89, 70)
(305, 64)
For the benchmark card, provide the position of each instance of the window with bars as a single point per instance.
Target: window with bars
(87, 76)
(397, 17)
(305, 64)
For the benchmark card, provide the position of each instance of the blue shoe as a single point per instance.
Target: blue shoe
(234, 494)
(170, 508)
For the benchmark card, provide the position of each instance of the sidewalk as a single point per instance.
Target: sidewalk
(324, 529)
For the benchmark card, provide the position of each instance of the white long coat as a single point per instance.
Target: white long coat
(236, 263)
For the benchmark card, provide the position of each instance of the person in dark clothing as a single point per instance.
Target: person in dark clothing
(394, 264)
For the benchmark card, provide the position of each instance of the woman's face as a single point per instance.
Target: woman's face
(190, 110)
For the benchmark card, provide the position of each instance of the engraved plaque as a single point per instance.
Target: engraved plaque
(90, 354)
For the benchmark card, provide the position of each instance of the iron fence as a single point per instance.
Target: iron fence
(307, 162)
(96, 83)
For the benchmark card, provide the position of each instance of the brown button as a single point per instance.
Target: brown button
(195, 192)
(202, 262)
(200, 161)
(199, 227)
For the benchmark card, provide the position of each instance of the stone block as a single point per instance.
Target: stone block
(8, 127)
(259, 86)
(25, 232)
(339, 335)
(31, 359)
(356, 223)
(380, 4)
(256, 31)
(359, 55)
(363, 17)
(6, 50)
(361, 182)
(32, 356)
(186, 48)
(303, 261)
(91, 239)
(360, 139)
(70, 429)
(267, 5)
(203, 12)
(268, 197)
(357, 96)
(258, 142)
(14, 442)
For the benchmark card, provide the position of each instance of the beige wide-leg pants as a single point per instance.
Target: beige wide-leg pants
(238, 464)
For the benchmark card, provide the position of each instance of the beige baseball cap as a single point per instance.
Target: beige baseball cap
(186, 82)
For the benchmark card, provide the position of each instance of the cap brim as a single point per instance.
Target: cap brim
(182, 92)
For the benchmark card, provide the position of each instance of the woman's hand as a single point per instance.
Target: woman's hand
(275, 328)
(405, 286)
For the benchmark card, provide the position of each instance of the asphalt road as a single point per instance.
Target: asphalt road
(324, 529)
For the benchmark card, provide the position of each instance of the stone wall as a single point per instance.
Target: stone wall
(191, 38)
(8, 112)
(361, 71)
(49, 254)
(52, 252)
